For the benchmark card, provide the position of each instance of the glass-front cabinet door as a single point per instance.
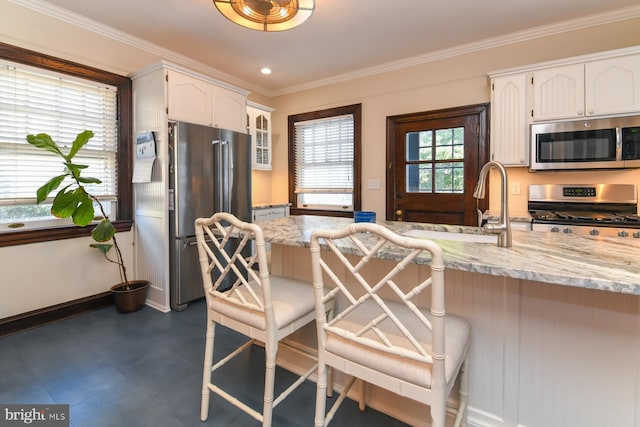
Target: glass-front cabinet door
(259, 127)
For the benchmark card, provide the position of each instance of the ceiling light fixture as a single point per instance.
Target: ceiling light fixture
(266, 15)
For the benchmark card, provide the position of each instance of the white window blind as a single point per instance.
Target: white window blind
(324, 161)
(36, 101)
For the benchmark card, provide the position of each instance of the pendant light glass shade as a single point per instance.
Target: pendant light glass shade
(266, 15)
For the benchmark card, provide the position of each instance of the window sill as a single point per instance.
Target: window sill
(298, 211)
(23, 237)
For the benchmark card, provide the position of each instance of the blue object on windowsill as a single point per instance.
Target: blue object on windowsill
(364, 216)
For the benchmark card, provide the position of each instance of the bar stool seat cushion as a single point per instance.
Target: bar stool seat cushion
(406, 368)
(291, 301)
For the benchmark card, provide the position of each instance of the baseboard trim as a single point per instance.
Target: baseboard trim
(42, 316)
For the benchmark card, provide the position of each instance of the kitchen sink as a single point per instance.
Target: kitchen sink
(458, 237)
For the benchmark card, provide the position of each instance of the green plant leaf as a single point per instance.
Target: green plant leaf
(83, 214)
(76, 165)
(43, 192)
(104, 231)
(89, 180)
(65, 203)
(79, 142)
(44, 141)
(102, 247)
(75, 169)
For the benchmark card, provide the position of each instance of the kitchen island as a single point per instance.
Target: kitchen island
(555, 319)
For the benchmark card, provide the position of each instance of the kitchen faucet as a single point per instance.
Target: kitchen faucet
(503, 228)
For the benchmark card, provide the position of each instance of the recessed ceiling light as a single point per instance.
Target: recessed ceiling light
(265, 70)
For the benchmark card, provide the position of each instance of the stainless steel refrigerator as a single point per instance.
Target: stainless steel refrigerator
(209, 171)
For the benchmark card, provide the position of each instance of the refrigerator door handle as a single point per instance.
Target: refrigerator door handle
(195, 243)
(228, 177)
(217, 148)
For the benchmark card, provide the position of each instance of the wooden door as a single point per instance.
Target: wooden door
(433, 161)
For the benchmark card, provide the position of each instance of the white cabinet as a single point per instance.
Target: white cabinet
(259, 127)
(228, 109)
(597, 85)
(595, 88)
(267, 214)
(558, 93)
(612, 86)
(196, 100)
(188, 99)
(510, 120)
(521, 225)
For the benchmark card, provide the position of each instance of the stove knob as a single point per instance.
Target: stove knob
(636, 234)
(622, 233)
(567, 230)
(555, 229)
(594, 232)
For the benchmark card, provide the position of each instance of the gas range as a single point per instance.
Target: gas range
(587, 209)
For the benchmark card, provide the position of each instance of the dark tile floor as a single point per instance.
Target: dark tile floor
(145, 369)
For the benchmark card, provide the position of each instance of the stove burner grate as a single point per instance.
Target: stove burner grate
(587, 218)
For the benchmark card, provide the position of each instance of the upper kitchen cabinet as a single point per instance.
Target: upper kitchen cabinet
(558, 93)
(193, 99)
(598, 87)
(509, 120)
(228, 111)
(188, 99)
(612, 86)
(259, 127)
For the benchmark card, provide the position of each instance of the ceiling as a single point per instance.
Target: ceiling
(342, 39)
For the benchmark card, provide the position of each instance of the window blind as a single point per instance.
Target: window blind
(34, 101)
(324, 160)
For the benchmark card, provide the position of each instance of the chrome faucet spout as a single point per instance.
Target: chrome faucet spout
(503, 228)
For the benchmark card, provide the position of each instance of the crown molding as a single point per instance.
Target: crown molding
(489, 43)
(493, 42)
(88, 24)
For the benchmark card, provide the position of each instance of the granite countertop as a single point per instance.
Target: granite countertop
(270, 205)
(607, 263)
(492, 216)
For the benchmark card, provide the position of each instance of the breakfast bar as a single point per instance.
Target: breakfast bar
(555, 320)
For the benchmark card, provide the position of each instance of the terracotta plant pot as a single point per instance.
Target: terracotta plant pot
(130, 296)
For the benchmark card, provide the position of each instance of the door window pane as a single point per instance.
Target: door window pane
(419, 146)
(450, 144)
(419, 178)
(449, 177)
(425, 152)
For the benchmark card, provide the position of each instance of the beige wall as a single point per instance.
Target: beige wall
(43, 274)
(457, 81)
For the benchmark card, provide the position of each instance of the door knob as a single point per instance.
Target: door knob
(399, 215)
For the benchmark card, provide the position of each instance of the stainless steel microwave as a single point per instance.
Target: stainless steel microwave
(610, 143)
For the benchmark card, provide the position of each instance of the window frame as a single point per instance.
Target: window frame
(124, 157)
(433, 161)
(356, 111)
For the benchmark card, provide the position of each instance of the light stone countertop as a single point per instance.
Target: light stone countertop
(492, 216)
(605, 263)
(270, 205)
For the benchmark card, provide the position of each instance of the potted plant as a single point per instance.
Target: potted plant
(73, 201)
